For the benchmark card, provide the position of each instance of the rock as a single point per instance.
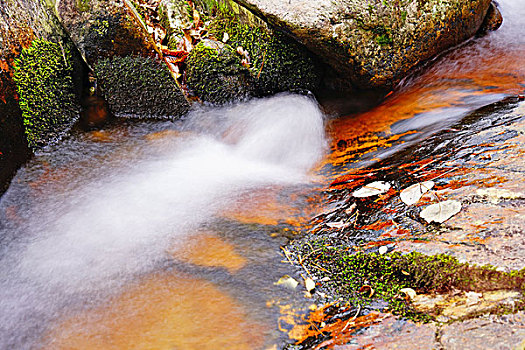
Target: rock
(487, 332)
(215, 73)
(271, 62)
(114, 42)
(394, 333)
(374, 43)
(493, 19)
(465, 304)
(39, 95)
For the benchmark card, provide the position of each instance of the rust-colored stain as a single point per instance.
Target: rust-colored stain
(265, 207)
(319, 324)
(161, 313)
(444, 85)
(206, 249)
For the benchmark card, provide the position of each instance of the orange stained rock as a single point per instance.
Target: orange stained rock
(165, 134)
(206, 249)
(318, 324)
(161, 313)
(445, 84)
(264, 207)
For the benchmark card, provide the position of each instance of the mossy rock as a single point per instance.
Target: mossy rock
(43, 77)
(104, 28)
(374, 43)
(387, 274)
(215, 73)
(277, 63)
(137, 86)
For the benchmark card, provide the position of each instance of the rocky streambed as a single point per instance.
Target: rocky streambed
(418, 242)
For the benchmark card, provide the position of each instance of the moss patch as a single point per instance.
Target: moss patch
(216, 75)
(277, 63)
(140, 87)
(43, 76)
(387, 274)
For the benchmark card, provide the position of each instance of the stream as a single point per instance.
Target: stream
(167, 235)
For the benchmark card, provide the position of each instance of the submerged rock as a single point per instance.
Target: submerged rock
(115, 44)
(374, 43)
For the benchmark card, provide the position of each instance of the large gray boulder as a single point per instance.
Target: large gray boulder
(374, 43)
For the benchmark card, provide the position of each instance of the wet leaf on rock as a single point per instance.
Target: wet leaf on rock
(309, 284)
(441, 212)
(372, 189)
(412, 195)
(338, 225)
(409, 293)
(287, 281)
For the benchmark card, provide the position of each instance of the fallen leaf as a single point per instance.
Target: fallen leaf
(287, 281)
(309, 284)
(412, 195)
(441, 212)
(372, 189)
(473, 298)
(410, 294)
(337, 225)
(351, 209)
(196, 18)
(368, 288)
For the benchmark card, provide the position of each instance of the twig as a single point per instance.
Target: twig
(262, 65)
(352, 319)
(287, 256)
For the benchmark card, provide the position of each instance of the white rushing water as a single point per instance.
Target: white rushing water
(75, 244)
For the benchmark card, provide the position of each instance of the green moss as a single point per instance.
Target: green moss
(43, 76)
(139, 86)
(83, 5)
(389, 273)
(384, 39)
(277, 63)
(216, 74)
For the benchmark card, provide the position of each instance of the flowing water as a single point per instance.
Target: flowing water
(166, 235)
(132, 210)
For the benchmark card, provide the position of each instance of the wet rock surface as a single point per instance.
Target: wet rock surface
(477, 162)
(374, 43)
